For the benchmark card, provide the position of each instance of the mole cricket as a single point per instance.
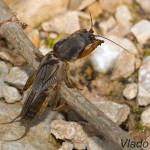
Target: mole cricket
(53, 69)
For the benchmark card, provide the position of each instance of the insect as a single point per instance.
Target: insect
(53, 69)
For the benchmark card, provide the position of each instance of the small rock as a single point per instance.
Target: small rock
(3, 68)
(145, 118)
(11, 94)
(79, 4)
(119, 30)
(138, 63)
(130, 91)
(145, 4)
(1, 86)
(110, 6)
(12, 57)
(70, 131)
(18, 76)
(141, 31)
(34, 37)
(144, 83)
(123, 15)
(35, 13)
(95, 9)
(66, 146)
(118, 113)
(38, 136)
(95, 143)
(44, 51)
(65, 23)
(107, 25)
(124, 67)
(104, 57)
(53, 35)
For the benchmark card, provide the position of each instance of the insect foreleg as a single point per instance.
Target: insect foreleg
(68, 81)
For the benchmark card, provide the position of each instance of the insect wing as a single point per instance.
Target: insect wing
(45, 77)
(105, 55)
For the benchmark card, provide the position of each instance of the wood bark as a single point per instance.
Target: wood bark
(11, 29)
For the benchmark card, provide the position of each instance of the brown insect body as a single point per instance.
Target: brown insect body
(52, 71)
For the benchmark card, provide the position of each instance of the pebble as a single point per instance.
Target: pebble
(79, 4)
(38, 137)
(11, 56)
(145, 4)
(123, 15)
(145, 118)
(130, 91)
(18, 76)
(104, 57)
(3, 68)
(66, 146)
(105, 26)
(141, 31)
(118, 113)
(124, 67)
(1, 86)
(144, 83)
(65, 23)
(110, 6)
(44, 50)
(34, 13)
(34, 37)
(95, 9)
(11, 94)
(69, 131)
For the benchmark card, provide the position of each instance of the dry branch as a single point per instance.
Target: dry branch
(11, 29)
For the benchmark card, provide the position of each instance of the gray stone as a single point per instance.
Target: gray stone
(11, 94)
(34, 13)
(66, 146)
(145, 4)
(1, 86)
(144, 83)
(70, 131)
(104, 57)
(3, 68)
(11, 56)
(79, 4)
(141, 31)
(39, 135)
(110, 6)
(145, 118)
(123, 15)
(65, 23)
(118, 113)
(105, 26)
(124, 67)
(18, 76)
(130, 91)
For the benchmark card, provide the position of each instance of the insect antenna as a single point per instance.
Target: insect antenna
(14, 120)
(26, 130)
(114, 43)
(91, 29)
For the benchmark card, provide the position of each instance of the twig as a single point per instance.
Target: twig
(13, 32)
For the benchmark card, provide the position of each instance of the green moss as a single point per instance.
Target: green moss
(138, 126)
(111, 92)
(136, 111)
(7, 84)
(49, 42)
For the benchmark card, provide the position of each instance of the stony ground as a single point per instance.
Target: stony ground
(116, 80)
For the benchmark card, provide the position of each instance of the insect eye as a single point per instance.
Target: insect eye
(91, 38)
